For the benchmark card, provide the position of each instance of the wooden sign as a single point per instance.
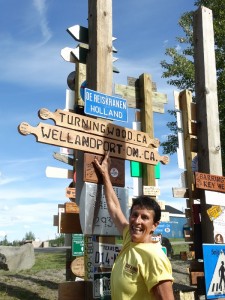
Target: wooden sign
(210, 182)
(71, 208)
(180, 192)
(70, 192)
(132, 94)
(98, 127)
(116, 170)
(64, 158)
(53, 135)
(151, 190)
(70, 223)
(77, 266)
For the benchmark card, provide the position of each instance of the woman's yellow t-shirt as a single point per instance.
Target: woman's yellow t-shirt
(138, 268)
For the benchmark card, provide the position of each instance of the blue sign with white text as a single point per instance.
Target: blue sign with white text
(105, 106)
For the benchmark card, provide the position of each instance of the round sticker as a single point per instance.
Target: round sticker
(114, 172)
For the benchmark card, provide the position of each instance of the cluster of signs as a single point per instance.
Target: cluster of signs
(214, 254)
(95, 137)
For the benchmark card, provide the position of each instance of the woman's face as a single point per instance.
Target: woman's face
(141, 224)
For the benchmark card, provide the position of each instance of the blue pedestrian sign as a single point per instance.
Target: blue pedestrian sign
(105, 106)
(214, 269)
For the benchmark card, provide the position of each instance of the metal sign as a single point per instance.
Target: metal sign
(210, 182)
(101, 286)
(214, 257)
(105, 106)
(215, 198)
(77, 244)
(94, 214)
(104, 255)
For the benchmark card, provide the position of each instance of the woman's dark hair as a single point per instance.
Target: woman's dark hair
(148, 203)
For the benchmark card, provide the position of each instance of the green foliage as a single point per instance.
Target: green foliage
(29, 236)
(58, 241)
(179, 67)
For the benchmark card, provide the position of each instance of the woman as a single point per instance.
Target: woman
(141, 270)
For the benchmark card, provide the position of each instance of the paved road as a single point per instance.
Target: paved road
(51, 249)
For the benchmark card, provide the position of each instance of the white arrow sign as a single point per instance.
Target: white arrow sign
(54, 172)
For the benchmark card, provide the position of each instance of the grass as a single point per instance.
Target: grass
(36, 283)
(49, 261)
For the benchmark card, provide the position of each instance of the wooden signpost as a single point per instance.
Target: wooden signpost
(99, 127)
(63, 137)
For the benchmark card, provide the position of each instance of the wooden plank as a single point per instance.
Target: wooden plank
(71, 192)
(116, 170)
(180, 192)
(209, 144)
(98, 127)
(71, 208)
(132, 95)
(132, 81)
(70, 223)
(63, 137)
(71, 290)
(147, 124)
(99, 60)
(210, 182)
(64, 158)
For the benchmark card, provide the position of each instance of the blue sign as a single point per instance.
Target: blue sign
(105, 106)
(214, 270)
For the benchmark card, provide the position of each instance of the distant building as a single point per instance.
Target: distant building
(174, 228)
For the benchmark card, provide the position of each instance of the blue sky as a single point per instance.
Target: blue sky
(33, 75)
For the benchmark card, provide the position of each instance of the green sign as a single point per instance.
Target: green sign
(77, 244)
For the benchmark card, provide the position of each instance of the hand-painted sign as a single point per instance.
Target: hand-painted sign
(105, 106)
(94, 215)
(214, 270)
(151, 190)
(210, 182)
(98, 127)
(58, 136)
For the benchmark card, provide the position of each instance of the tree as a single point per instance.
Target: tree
(29, 236)
(180, 69)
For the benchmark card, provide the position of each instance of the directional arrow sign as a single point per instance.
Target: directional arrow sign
(80, 34)
(80, 55)
(78, 140)
(54, 172)
(63, 158)
(98, 127)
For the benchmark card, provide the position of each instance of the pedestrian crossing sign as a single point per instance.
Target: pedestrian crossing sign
(214, 270)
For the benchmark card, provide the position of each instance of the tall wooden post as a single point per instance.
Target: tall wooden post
(208, 133)
(145, 85)
(99, 60)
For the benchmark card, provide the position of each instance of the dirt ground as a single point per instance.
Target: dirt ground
(44, 284)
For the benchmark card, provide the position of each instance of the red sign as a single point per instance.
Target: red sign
(210, 182)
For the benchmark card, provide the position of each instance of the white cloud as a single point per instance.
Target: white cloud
(41, 8)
